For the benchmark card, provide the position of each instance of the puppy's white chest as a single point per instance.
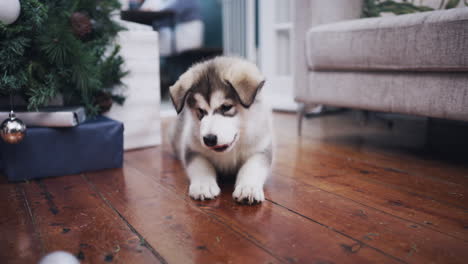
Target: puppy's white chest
(228, 163)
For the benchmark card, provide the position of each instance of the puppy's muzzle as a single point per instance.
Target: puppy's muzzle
(212, 140)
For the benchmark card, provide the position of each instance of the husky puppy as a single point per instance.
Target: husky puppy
(223, 128)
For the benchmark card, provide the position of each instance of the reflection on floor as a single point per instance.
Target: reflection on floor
(344, 192)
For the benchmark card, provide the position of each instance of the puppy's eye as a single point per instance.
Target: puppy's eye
(201, 113)
(226, 108)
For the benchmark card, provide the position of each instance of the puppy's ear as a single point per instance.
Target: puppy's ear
(245, 78)
(180, 90)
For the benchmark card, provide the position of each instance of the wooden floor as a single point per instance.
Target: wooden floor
(341, 193)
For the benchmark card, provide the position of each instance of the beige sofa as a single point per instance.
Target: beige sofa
(412, 64)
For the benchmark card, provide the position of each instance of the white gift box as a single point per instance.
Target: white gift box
(140, 113)
(188, 36)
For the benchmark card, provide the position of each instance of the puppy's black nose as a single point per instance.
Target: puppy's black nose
(210, 140)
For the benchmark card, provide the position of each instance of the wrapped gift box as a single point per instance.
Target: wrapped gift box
(46, 152)
(140, 112)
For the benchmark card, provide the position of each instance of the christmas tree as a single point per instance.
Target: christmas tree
(62, 47)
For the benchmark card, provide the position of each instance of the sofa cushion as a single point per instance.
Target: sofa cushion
(430, 41)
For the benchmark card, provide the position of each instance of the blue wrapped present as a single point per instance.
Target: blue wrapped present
(47, 152)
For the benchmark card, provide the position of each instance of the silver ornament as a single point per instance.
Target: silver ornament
(12, 129)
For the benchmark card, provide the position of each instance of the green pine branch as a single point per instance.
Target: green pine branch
(40, 56)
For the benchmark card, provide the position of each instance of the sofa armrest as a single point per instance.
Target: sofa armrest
(309, 13)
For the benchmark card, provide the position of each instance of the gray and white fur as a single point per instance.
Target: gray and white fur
(223, 128)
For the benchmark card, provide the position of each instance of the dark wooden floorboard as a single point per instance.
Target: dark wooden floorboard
(341, 193)
(318, 244)
(351, 179)
(19, 242)
(70, 216)
(173, 225)
(397, 148)
(421, 210)
(397, 237)
(455, 174)
(429, 187)
(403, 239)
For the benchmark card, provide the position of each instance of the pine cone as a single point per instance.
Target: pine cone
(81, 24)
(104, 101)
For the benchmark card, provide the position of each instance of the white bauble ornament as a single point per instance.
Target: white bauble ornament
(9, 11)
(59, 257)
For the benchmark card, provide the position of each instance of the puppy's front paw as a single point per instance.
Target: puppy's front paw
(204, 190)
(250, 194)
